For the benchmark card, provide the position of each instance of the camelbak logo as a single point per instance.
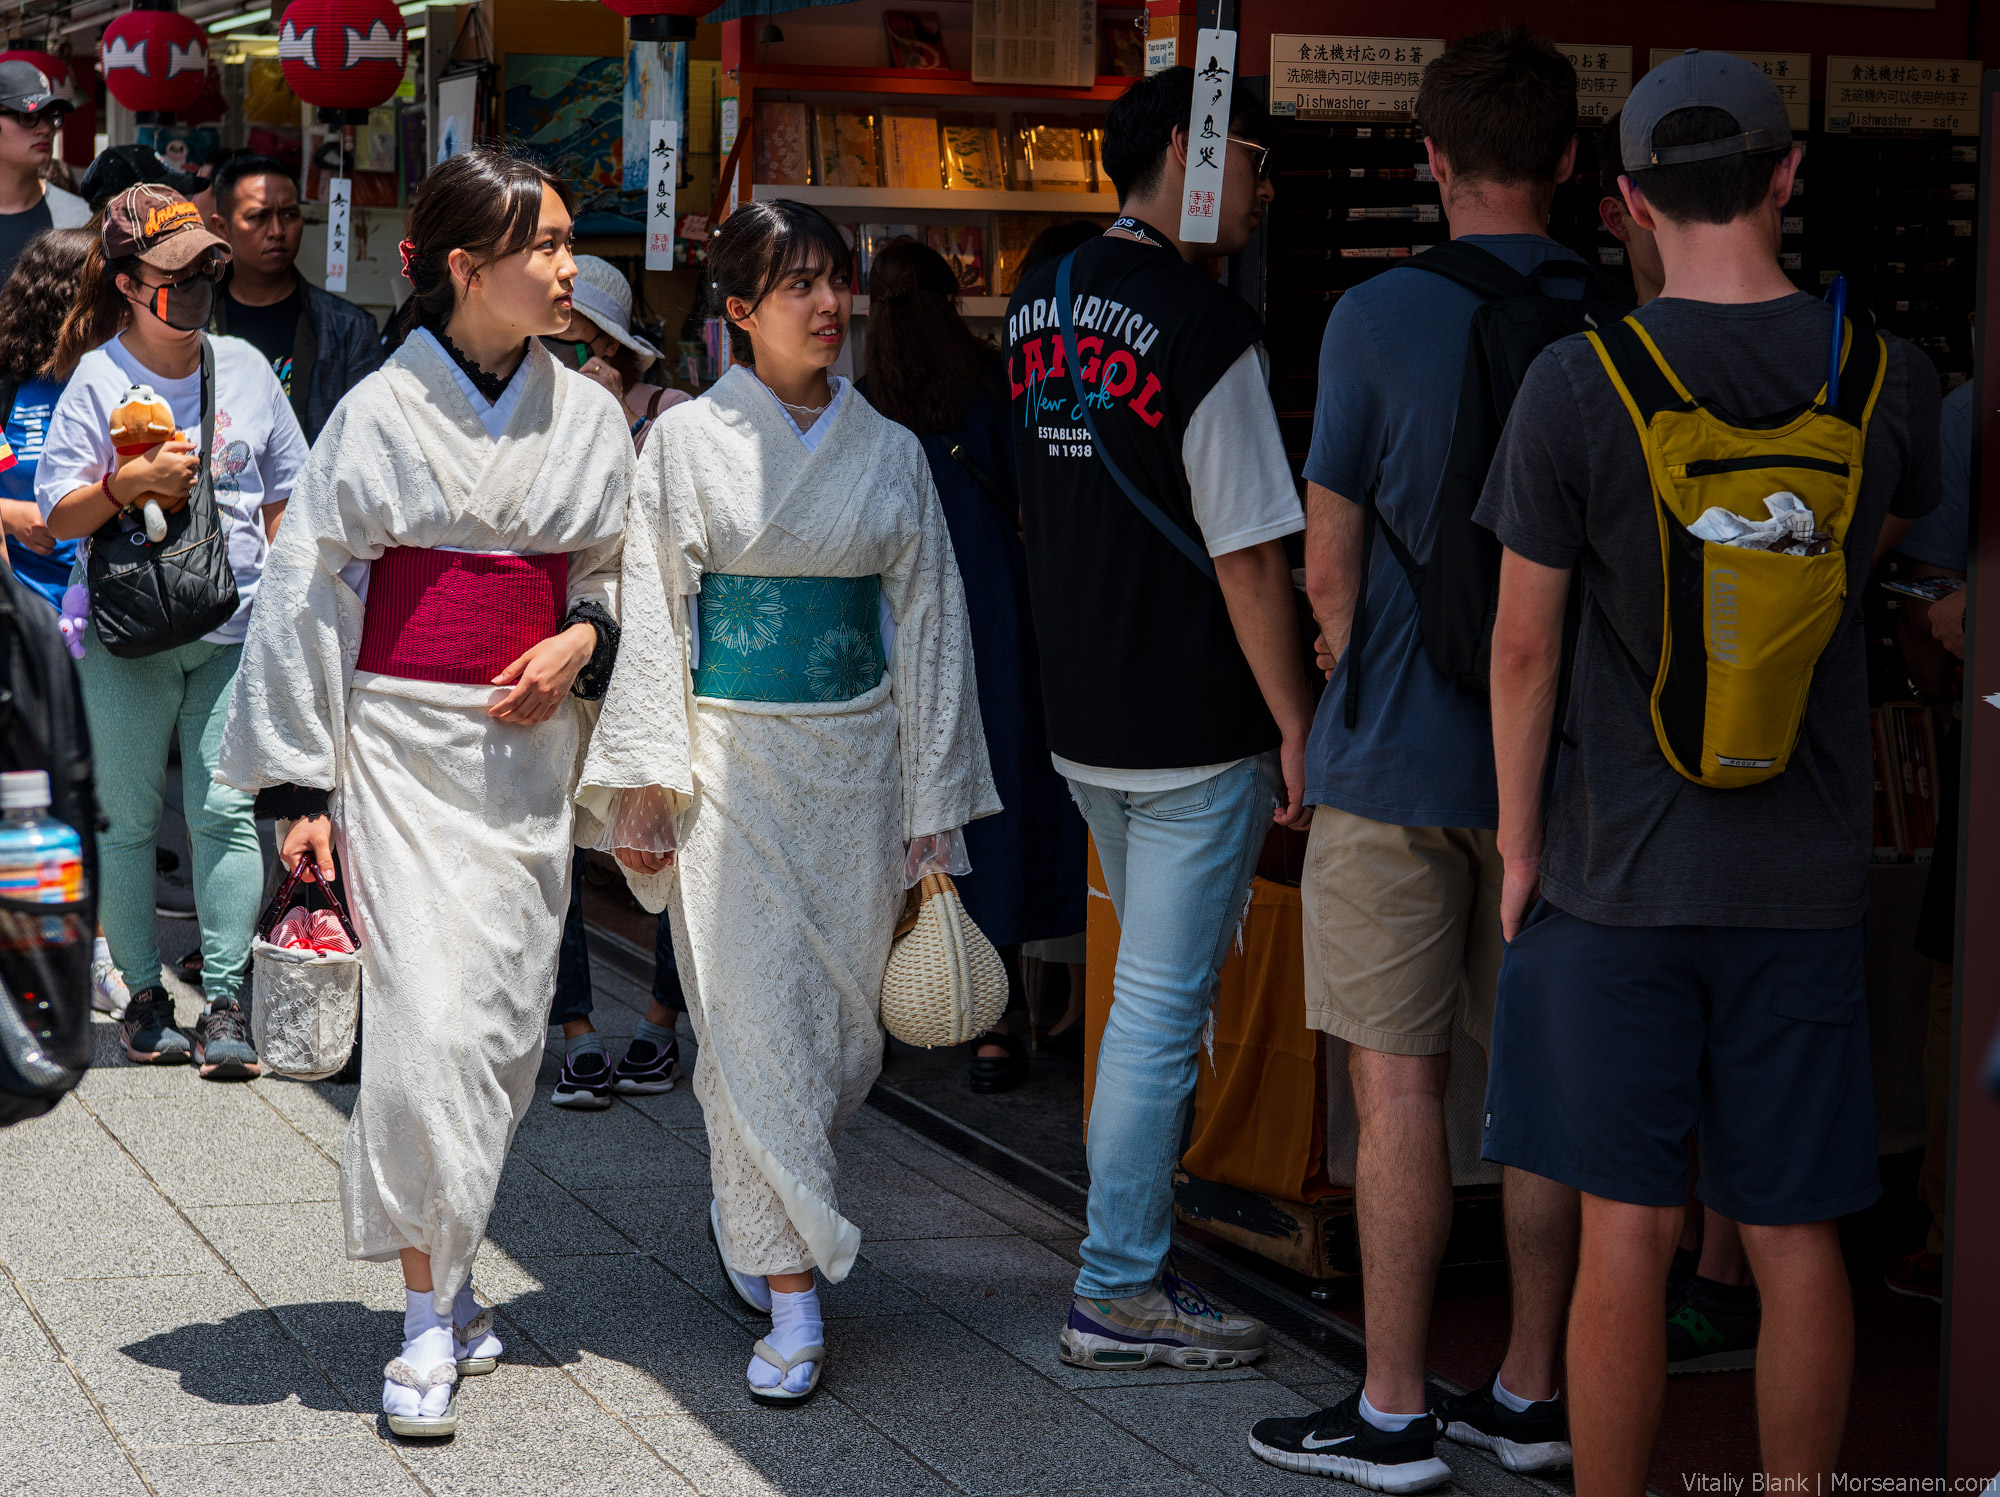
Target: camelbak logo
(1722, 618)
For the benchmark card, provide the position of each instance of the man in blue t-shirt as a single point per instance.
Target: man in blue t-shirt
(1402, 882)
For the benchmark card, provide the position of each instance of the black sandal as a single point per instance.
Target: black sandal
(1063, 1041)
(999, 1073)
(189, 968)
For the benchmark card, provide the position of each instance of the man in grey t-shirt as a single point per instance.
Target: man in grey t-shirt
(1694, 961)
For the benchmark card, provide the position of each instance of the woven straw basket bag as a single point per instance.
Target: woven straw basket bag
(304, 1006)
(945, 983)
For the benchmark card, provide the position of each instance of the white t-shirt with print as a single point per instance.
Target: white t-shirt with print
(256, 457)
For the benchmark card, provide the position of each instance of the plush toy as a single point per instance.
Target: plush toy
(140, 423)
(74, 616)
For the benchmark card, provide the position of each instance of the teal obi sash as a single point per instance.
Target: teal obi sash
(789, 639)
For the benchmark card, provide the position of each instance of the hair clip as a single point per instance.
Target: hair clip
(409, 253)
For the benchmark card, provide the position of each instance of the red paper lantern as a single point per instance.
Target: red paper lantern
(48, 64)
(344, 54)
(662, 20)
(155, 61)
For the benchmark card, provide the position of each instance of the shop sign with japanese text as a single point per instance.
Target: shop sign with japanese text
(1349, 77)
(1603, 79)
(1902, 95)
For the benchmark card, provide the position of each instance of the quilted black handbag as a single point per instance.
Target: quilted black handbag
(148, 596)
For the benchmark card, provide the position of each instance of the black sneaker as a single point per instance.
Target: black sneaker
(151, 1036)
(1712, 1327)
(585, 1082)
(647, 1069)
(1339, 1442)
(1536, 1439)
(222, 1048)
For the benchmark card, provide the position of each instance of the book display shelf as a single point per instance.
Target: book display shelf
(975, 169)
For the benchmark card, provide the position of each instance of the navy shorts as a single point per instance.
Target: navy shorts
(1612, 1043)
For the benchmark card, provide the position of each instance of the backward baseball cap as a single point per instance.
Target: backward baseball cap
(1698, 80)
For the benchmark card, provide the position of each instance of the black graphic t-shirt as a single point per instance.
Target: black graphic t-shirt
(273, 331)
(1140, 665)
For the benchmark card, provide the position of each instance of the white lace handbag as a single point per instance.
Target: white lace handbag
(945, 982)
(304, 1005)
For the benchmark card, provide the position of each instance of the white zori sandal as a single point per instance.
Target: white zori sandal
(476, 1347)
(421, 1406)
(763, 1351)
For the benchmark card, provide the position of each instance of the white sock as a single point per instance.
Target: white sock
(795, 1324)
(420, 1314)
(100, 951)
(427, 1345)
(1387, 1423)
(1514, 1401)
(583, 1042)
(463, 1305)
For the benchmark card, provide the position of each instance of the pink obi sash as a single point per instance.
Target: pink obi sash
(459, 616)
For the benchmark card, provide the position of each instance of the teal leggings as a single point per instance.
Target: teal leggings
(133, 707)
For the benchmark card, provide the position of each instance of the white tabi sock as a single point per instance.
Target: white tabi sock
(427, 1346)
(795, 1324)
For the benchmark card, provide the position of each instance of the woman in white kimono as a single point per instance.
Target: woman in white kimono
(445, 577)
(798, 687)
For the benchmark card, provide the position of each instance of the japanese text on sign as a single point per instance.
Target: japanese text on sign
(662, 170)
(1603, 79)
(340, 198)
(1208, 134)
(1349, 77)
(1902, 95)
(1790, 71)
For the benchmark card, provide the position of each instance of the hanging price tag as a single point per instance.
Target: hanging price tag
(662, 171)
(1208, 134)
(340, 199)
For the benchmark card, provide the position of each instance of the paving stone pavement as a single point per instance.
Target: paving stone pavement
(176, 1317)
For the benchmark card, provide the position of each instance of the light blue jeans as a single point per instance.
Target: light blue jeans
(1177, 864)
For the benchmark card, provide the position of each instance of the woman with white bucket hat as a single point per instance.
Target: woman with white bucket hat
(600, 330)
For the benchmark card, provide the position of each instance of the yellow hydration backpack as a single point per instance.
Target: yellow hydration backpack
(1743, 628)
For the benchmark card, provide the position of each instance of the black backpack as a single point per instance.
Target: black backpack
(1458, 584)
(147, 597)
(45, 1030)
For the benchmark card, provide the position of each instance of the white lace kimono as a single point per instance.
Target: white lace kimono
(789, 872)
(454, 829)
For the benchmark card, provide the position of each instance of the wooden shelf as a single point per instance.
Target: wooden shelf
(970, 306)
(965, 200)
(936, 83)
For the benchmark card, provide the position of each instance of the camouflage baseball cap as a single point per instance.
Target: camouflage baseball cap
(159, 226)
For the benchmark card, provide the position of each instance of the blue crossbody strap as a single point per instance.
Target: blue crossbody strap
(1182, 541)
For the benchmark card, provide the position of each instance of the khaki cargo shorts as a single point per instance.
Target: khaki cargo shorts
(1402, 932)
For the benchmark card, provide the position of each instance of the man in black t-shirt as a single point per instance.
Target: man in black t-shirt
(1693, 964)
(319, 345)
(1176, 691)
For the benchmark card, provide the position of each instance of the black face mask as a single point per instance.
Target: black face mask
(182, 305)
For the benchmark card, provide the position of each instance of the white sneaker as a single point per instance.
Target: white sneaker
(107, 989)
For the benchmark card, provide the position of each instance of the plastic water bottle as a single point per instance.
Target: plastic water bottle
(41, 859)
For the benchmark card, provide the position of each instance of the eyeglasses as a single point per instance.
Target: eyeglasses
(35, 121)
(1259, 154)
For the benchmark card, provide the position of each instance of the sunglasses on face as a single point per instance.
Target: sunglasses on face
(210, 270)
(1259, 155)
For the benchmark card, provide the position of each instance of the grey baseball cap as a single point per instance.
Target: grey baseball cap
(24, 90)
(1696, 80)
